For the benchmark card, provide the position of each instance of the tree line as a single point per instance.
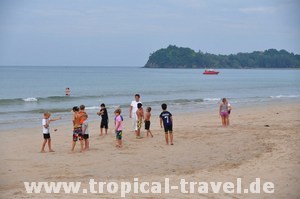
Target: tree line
(179, 57)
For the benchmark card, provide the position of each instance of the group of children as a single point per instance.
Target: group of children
(80, 128)
(81, 131)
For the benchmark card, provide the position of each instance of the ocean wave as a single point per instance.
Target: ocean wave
(212, 99)
(40, 111)
(30, 99)
(50, 99)
(175, 101)
(285, 96)
(92, 108)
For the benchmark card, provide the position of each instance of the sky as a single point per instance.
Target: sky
(126, 32)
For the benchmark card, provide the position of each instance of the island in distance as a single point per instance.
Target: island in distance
(179, 57)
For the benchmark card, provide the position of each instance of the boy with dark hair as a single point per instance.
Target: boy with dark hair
(104, 119)
(167, 120)
(147, 121)
(140, 117)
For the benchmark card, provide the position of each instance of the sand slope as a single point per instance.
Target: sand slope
(203, 151)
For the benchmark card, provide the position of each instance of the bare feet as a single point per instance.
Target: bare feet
(43, 151)
(51, 150)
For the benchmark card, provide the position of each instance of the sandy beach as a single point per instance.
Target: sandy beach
(261, 142)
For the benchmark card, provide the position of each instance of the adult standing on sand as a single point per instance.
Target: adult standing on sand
(132, 111)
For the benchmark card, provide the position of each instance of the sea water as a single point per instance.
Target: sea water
(28, 91)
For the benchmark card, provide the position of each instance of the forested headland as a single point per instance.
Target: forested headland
(179, 57)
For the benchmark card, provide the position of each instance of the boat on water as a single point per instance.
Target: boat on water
(210, 72)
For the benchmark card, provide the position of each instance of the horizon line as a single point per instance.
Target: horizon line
(68, 66)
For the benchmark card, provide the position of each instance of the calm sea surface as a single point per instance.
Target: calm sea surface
(27, 92)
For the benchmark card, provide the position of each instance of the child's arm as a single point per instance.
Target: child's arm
(54, 119)
(229, 107)
(130, 112)
(85, 126)
(160, 121)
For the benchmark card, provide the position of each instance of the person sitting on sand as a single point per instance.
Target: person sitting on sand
(77, 129)
(223, 111)
(46, 131)
(147, 121)
(118, 127)
(140, 117)
(167, 120)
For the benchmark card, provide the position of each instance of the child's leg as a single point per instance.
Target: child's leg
(171, 137)
(150, 132)
(43, 146)
(227, 121)
(81, 145)
(138, 133)
(106, 131)
(119, 143)
(87, 144)
(49, 145)
(101, 129)
(73, 145)
(223, 121)
(167, 139)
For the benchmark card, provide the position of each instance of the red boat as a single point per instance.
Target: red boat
(210, 72)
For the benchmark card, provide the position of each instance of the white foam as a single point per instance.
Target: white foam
(285, 96)
(30, 99)
(92, 108)
(211, 99)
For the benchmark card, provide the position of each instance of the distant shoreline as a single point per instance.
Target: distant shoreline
(224, 68)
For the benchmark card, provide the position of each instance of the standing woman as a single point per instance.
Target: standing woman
(223, 111)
